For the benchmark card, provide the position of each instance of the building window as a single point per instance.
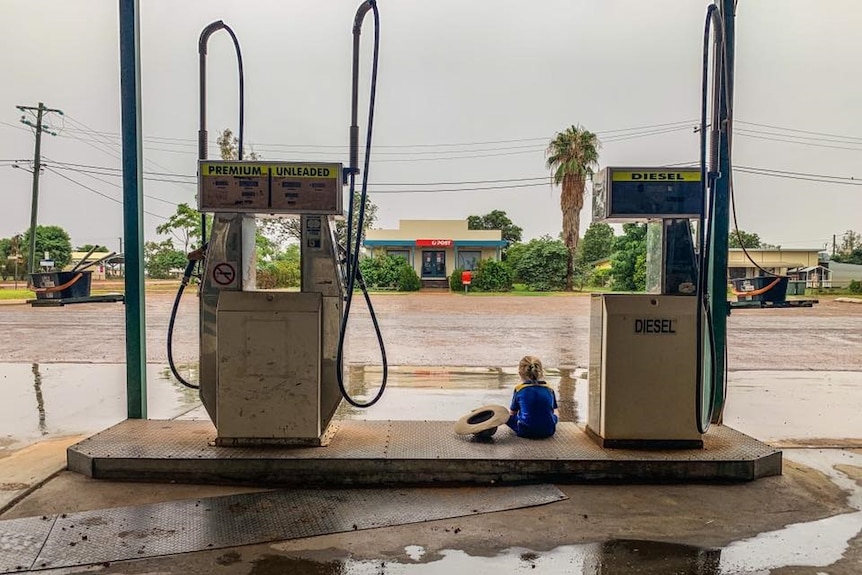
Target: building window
(399, 254)
(469, 260)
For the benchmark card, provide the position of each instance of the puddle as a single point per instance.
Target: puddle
(445, 394)
(42, 401)
(612, 558)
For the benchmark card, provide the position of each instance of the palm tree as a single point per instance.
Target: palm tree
(572, 156)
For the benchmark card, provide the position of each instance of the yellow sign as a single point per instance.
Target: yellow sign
(656, 176)
(304, 171)
(241, 170)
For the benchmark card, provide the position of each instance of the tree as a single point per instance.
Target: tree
(88, 247)
(184, 225)
(628, 262)
(749, 240)
(11, 261)
(541, 263)
(854, 257)
(572, 157)
(162, 259)
(496, 220)
(52, 239)
(598, 243)
(849, 242)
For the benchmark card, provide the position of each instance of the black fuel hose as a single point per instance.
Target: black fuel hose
(354, 245)
(713, 21)
(187, 275)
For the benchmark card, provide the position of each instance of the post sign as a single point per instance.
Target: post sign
(626, 194)
(269, 187)
(434, 243)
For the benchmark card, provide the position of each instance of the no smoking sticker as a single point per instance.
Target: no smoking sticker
(224, 275)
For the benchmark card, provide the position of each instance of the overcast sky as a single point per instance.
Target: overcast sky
(469, 91)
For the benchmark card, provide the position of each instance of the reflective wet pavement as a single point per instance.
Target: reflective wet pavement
(57, 399)
(42, 401)
(797, 408)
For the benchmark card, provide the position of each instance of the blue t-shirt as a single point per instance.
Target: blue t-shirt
(534, 404)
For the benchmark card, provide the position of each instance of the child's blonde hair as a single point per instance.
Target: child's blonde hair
(530, 368)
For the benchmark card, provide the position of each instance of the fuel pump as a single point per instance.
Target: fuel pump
(653, 377)
(271, 362)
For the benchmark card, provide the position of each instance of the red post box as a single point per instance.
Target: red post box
(466, 277)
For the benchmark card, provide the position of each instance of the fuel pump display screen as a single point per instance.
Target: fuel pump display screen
(270, 187)
(626, 194)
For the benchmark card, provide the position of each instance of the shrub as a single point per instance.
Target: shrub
(514, 255)
(455, 280)
(381, 272)
(855, 286)
(265, 279)
(408, 280)
(389, 272)
(493, 276)
(599, 278)
(542, 266)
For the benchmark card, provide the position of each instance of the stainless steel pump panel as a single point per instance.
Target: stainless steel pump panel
(269, 367)
(626, 194)
(270, 187)
(643, 371)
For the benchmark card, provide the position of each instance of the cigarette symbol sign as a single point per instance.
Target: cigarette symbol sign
(224, 274)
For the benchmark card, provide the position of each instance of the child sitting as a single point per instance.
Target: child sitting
(534, 411)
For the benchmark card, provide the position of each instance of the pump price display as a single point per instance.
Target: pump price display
(269, 187)
(233, 186)
(625, 194)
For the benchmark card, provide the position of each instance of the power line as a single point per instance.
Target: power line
(791, 177)
(97, 192)
(89, 174)
(772, 127)
(193, 142)
(534, 181)
(755, 135)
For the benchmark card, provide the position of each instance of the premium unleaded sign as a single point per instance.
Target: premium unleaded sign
(269, 187)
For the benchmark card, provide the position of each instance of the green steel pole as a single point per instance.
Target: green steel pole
(721, 216)
(133, 209)
(34, 204)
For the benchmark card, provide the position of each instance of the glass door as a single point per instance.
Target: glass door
(433, 264)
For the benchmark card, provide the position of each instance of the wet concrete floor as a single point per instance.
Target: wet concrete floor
(574, 536)
(42, 401)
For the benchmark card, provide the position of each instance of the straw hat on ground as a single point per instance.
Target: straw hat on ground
(482, 421)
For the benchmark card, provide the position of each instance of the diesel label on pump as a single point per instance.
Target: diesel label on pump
(656, 326)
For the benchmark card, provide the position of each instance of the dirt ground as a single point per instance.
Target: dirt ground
(423, 329)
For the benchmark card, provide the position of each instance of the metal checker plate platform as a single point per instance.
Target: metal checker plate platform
(409, 452)
(122, 533)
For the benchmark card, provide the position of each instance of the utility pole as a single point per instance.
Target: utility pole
(40, 112)
(833, 244)
(121, 243)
